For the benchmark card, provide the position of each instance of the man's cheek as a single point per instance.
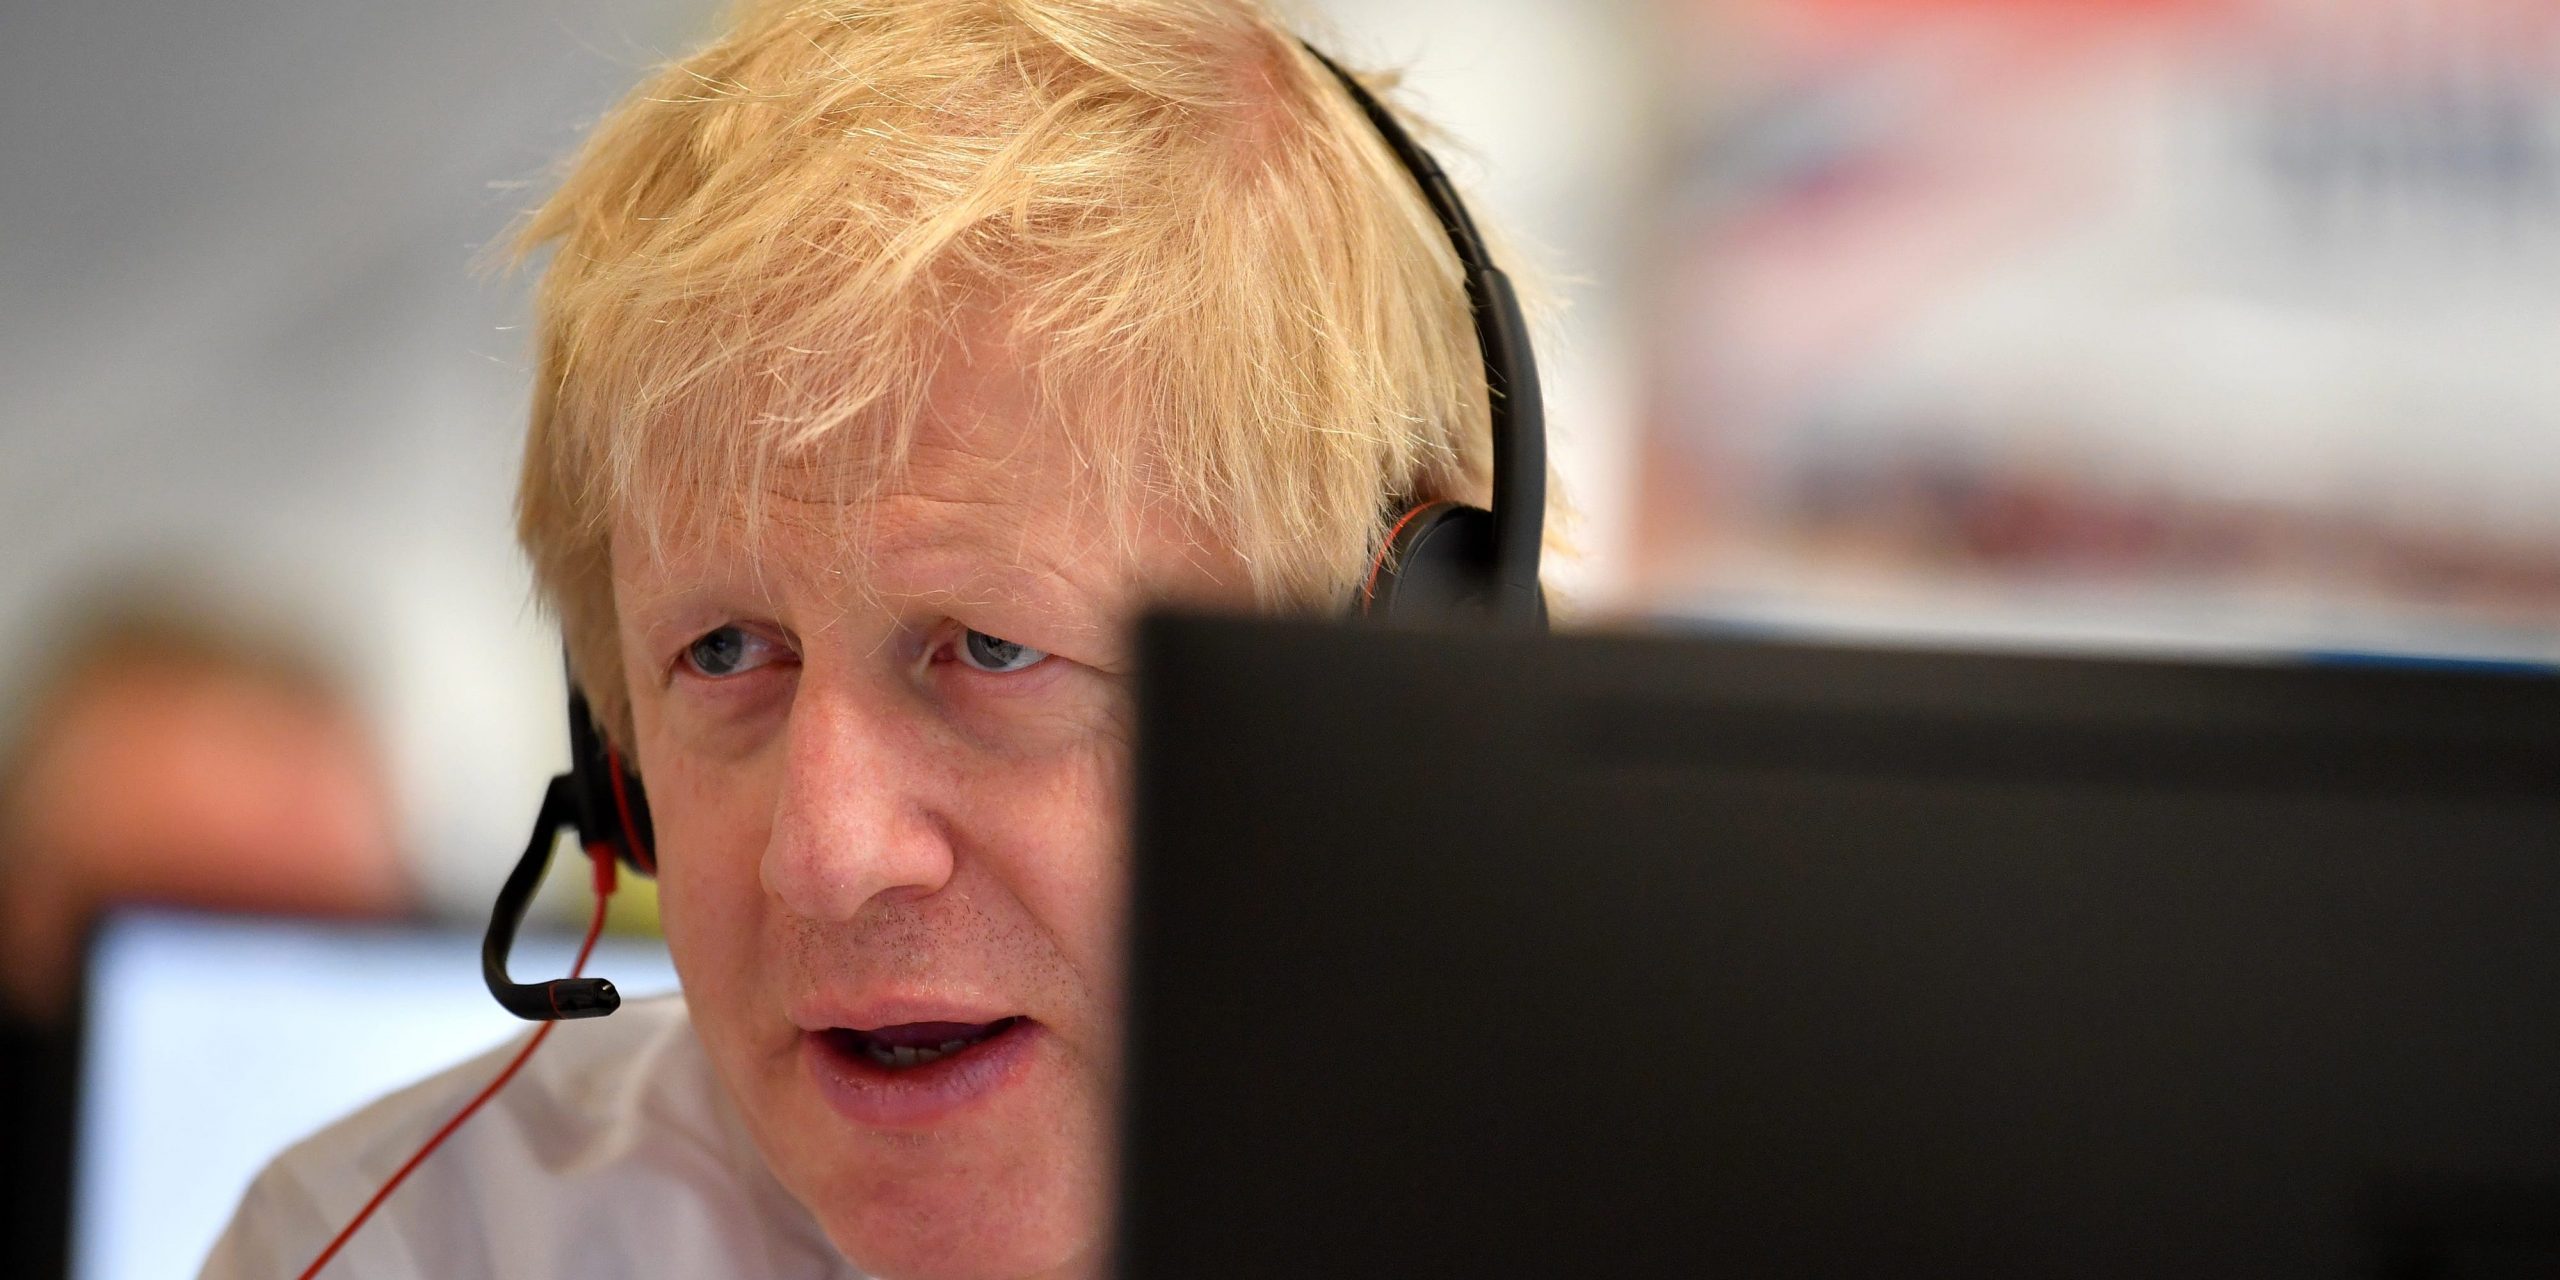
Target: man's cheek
(709, 892)
(713, 822)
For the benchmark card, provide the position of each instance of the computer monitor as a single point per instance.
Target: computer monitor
(1501, 955)
(214, 1042)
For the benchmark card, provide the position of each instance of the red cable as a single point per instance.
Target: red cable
(603, 858)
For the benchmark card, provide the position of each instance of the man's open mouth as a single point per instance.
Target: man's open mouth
(915, 1075)
(909, 1045)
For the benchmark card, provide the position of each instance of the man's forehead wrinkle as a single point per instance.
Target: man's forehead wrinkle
(830, 479)
(981, 588)
(997, 432)
(900, 553)
(1096, 545)
(990, 495)
(670, 576)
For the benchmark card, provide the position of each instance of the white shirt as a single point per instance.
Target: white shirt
(614, 1153)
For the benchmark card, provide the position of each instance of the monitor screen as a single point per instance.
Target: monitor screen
(1505, 954)
(215, 1042)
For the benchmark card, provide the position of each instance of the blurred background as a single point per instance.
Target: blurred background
(2130, 322)
(2206, 325)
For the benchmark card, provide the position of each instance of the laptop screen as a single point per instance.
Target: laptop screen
(215, 1042)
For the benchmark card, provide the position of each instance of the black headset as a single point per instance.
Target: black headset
(1437, 559)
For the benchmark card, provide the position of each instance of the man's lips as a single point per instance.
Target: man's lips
(911, 1075)
(880, 1012)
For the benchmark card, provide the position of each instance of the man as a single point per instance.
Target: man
(894, 356)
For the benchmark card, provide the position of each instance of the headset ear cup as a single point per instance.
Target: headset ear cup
(1435, 561)
(635, 833)
(610, 805)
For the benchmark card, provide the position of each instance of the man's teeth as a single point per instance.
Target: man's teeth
(909, 1056)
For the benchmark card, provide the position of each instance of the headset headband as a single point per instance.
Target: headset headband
(1517, 414)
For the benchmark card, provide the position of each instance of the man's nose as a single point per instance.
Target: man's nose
(857, 817)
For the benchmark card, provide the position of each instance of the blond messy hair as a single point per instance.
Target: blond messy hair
(1233, 290)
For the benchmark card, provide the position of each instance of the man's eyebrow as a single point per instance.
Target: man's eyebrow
(665, 598)
(662, 618)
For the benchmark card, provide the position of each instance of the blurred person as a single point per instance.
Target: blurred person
(180, 760)
(170, 758)
(892, 358)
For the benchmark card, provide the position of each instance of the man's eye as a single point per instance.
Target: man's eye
(725, 651)
(999, 657)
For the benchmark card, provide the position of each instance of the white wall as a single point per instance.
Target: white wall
(240, 335)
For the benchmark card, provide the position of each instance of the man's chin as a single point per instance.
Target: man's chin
(981, 1233)
(991, 1162)
(1021, 1191)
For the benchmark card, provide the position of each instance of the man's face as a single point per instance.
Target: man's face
(890, 831)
